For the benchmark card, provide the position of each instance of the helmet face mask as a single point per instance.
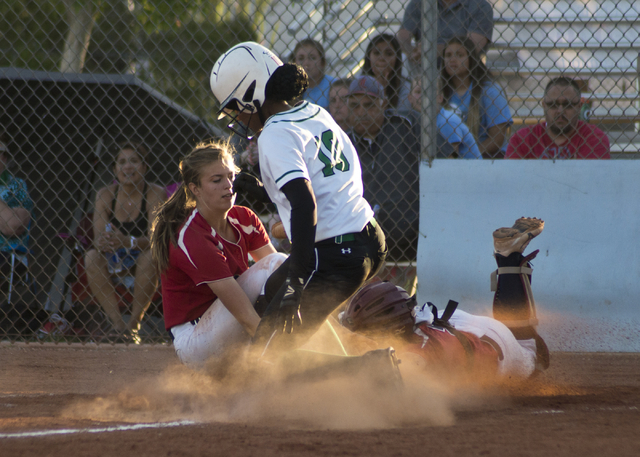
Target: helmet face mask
(239, 79)
(237, 126)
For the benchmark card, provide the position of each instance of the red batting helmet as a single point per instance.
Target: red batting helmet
(379, 307)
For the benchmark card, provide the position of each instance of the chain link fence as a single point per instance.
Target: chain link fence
(79, 78)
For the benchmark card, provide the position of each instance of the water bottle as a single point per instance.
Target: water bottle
(115, 263)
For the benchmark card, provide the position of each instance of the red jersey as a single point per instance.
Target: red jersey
(442, 349)
(588, 142)
(201, 257)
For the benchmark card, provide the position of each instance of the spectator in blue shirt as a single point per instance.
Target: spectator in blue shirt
(309, 54)
(454, 137)
(15, 205)
(468, 88)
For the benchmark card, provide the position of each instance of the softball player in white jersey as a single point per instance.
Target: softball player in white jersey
(311, 171)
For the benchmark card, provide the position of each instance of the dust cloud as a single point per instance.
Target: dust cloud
(267, 395)
(296, 392)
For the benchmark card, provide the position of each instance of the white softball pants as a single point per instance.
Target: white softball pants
(519, 356)
(218, 331)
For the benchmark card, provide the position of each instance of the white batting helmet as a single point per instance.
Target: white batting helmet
(239, 77)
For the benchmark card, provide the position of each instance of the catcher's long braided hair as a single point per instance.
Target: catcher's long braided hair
(174, 211)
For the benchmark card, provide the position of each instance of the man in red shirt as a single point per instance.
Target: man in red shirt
(563, 135)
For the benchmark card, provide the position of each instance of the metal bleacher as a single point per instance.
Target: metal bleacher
(594, 41)
(343, 27)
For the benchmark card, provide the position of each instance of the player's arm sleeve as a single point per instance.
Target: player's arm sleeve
(481, 19)
(304, 219)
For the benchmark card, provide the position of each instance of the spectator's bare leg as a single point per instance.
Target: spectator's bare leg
(144, 288)
(102, 288)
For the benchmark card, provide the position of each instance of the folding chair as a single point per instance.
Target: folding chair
(16, 269)
(19, 312)
(85, 318)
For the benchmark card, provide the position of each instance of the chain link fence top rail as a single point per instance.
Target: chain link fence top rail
(78, 78)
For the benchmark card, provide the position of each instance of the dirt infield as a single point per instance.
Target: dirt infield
(119, 401)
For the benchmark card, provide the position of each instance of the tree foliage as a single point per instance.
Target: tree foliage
(180, 60)
(32, 33)
(170, 44)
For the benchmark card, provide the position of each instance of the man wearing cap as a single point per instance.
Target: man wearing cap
(15, 205)
(389, 152)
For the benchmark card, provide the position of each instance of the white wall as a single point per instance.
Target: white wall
(586, 279)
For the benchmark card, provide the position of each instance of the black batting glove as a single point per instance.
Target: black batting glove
(249, 184)
(289, 313)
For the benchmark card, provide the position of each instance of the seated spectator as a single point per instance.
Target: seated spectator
(469, 90)
(19, 313)
(383, 61)
(15, 206)
(309, 54)
(459, 142)
(390, 156)
(121, 226)
(563, 135)
(338, 102)
(463, 18)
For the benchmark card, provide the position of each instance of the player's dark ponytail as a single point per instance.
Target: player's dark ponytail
(288, 82)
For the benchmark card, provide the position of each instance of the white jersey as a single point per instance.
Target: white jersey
(305, 142)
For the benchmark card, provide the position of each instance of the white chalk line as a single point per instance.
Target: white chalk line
(602, 408)
(43, 394)
(117, 428)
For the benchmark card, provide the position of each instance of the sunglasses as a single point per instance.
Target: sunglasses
(557, 105)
